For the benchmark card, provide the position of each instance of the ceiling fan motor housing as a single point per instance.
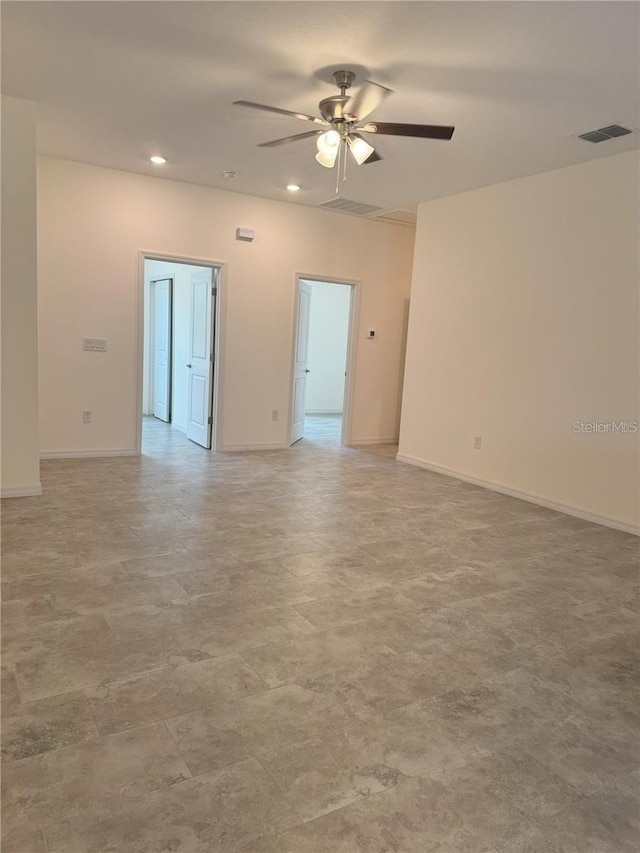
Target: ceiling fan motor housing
(332, 108)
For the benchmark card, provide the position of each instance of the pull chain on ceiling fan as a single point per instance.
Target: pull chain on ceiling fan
(341, 115)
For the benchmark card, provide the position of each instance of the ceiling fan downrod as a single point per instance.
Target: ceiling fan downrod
(344, 79)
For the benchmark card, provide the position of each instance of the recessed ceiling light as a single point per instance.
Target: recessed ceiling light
(230, 173)
(294, 188)
(157, 159)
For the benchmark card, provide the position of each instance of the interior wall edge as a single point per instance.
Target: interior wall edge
(34, 490)
(88, 454)
(574, 511)
(364, 442)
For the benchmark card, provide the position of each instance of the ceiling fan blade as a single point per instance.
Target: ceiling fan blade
(293, 138)
(279, 111)
(424, 131)
(368, 97)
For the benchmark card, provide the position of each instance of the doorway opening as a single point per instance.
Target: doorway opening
(178, 361)
(323, 360)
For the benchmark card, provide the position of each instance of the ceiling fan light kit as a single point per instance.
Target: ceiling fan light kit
(341, 115)
(328, 142)
(360, 148)
(327, 160)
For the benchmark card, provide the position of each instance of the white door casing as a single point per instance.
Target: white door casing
(199, 413)
(300, 369)
(161, 296)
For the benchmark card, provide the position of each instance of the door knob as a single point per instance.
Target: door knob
(307, 370)
(189, 366)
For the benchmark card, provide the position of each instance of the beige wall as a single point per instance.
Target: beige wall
(94, 221)
(524, 319)
(20, 457)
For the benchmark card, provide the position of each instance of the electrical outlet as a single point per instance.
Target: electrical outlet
(477, 442)
(86, 416)
(274, 415)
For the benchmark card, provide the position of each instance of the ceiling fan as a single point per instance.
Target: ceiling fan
(342, 116)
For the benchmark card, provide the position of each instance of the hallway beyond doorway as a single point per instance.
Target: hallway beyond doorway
(180, 299)
(325, 320)
(160, 439)
(323, 429)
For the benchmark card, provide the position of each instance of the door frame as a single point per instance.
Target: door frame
(352, 337)
(151, 348)
(218, 344)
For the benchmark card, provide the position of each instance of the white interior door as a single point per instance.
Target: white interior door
(200, 365)
(161, 356)
(300, 369)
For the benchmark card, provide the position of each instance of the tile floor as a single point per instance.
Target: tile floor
(317, 650)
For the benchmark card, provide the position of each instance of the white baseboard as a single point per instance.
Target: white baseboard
(323, 412)
(21, 491)
(87, 454)
(235, 448)
(363, 442)
(524, 496)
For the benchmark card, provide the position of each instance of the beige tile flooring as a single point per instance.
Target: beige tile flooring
(317, 650)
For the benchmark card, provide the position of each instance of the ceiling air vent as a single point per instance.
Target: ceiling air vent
(604, 133)
(344, 205)
(403, 217)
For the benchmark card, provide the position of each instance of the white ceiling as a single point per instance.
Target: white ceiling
(118, 81)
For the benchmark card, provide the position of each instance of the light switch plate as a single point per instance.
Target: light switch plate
(94, 344)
